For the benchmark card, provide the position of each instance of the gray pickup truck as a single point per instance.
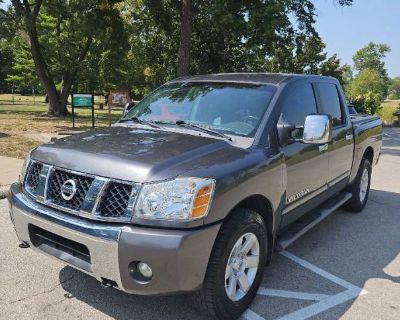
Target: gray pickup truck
(194, 188)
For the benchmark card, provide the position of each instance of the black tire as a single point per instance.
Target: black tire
(357, 203)
(213, 297)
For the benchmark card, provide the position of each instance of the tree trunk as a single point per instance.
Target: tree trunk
(67, 80)
(55, 107)
(183, 61)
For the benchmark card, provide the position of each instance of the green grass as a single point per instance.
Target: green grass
(7, 98)
(387, 110)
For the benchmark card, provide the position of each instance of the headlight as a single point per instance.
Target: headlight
(178, 199)
(24, 169)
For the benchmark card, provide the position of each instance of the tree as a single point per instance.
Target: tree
(61, 34)
(371, 57)
(332, 67)
(22, 74)
(7, 33)
(230, 36)
(394, 88)
(367, 90)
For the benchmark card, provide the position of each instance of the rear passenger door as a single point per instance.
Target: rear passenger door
(340, 149)
(306, 164)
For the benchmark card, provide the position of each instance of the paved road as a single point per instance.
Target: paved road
(353, 250)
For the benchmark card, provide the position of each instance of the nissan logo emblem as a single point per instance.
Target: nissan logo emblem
(68, 189)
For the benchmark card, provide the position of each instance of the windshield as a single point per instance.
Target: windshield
(234, 109)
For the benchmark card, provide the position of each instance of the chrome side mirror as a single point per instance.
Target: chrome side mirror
(317, 129)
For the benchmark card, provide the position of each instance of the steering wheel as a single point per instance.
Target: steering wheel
(252, 120)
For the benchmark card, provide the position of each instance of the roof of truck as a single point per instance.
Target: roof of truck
(259, 78)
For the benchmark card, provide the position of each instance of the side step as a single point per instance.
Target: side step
(298, 228)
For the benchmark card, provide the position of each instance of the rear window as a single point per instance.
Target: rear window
(330, 102)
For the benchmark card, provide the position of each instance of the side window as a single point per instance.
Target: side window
(299, 103)
(330, 102)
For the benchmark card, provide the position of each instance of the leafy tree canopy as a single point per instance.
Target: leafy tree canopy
(96, 45)
(367, 90)
(371, 57)
(60, 34)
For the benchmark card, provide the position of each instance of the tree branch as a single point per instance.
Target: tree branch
(27, 6)
(36, 8)
(85, 49)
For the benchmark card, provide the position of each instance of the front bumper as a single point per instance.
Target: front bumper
(178, 258)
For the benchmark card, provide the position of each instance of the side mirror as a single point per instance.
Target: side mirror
(317, 129)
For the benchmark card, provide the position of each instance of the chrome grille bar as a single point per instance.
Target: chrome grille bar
(96, 195)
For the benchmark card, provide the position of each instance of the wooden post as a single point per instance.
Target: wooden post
(73, 113)
(109, 108)
(93, 110)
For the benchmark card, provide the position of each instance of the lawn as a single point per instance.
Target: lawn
(8, 98)
(23, 127)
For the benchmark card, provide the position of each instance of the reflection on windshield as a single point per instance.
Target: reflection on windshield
(230, 108)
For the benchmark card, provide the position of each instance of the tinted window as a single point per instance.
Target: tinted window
(299, 103)
(330, 102)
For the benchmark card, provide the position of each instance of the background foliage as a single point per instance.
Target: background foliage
(102, 44)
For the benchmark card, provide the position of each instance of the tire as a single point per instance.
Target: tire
(244, 229)
(360, 188)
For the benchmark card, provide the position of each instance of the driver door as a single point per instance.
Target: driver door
(306, 164)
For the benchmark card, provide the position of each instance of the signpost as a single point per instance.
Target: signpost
(82, 100)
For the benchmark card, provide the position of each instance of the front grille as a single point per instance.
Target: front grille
(92, 197)
(57, 178)
(115, 199)
(33, 177)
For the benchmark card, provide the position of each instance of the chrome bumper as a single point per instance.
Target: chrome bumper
(178, 258)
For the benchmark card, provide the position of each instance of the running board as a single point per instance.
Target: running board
(298, 228)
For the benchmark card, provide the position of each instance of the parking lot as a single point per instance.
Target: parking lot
(347, 267)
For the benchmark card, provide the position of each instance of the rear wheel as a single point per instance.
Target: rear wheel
(236, 266)
(360, 188)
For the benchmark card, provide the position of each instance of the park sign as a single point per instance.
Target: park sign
(82, 100)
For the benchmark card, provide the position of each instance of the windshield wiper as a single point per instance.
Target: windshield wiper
(208, 130)
(140, 121)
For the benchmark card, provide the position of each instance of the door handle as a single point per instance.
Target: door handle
(349, 136)
(323, 147)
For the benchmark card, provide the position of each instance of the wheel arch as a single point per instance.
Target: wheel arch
(260, 204)
(369, 154)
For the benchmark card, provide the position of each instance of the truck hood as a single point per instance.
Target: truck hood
(133, 154)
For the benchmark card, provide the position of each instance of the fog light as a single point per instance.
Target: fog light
(145, 270)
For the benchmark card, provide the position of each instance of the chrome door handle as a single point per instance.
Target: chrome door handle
(323, 147)
(349, 136)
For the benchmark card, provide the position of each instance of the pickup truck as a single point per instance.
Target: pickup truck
(194, 187)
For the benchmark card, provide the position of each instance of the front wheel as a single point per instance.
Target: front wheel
(236, 266)
(360, 188)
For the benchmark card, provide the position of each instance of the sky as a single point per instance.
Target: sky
(347, 29)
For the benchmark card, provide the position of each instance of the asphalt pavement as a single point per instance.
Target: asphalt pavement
(346, 267)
